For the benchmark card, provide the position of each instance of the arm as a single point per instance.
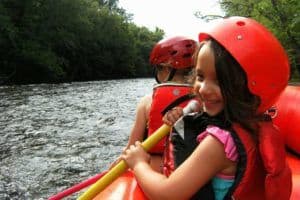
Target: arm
(139, 126)
(141, 120)
(204, 163)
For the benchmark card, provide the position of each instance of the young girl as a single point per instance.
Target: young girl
(173, 64)
(231, 150)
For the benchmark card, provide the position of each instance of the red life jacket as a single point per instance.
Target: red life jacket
(262, 170)
(267, 175)
(163, 96)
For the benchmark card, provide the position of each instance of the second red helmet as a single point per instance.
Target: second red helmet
(174, 51)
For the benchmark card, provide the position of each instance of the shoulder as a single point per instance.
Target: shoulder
(144, 105)
(224, 137)
(146, 100)
(220, 134)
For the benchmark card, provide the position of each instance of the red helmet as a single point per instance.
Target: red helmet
(175, 51)
(258, 52)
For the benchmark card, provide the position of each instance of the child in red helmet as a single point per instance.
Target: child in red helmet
(173, 63)
(231, 150)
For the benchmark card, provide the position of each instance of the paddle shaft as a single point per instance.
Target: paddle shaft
(121, 167)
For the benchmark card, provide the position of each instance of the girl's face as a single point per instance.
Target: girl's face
(206, 83)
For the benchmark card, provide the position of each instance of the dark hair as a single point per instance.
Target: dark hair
(240, 104)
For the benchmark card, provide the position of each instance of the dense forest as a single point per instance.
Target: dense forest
(71, 40)
(80, 40)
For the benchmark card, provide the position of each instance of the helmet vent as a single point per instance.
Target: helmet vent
(187, 55)
(173, 53)
(240, 23)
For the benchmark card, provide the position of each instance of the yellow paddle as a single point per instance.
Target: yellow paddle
(121, 167)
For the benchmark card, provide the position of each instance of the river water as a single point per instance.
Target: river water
(53, 136)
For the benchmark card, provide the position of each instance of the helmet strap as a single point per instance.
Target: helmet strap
(171, 74)
(155, 75)
(169, 78)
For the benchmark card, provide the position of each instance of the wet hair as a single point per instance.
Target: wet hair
(240, 105)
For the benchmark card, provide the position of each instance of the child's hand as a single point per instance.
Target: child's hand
(135, 154)
(172, 116)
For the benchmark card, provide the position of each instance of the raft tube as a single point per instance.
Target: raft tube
(125, 187)
(294, 163)
(286, 116)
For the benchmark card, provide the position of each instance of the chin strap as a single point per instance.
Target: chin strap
(170, 76)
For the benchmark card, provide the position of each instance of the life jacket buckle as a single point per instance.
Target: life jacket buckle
(272, 112)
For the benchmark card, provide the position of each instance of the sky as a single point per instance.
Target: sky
(175, 17)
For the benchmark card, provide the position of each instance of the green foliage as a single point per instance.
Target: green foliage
(71, 40)
(282, 17)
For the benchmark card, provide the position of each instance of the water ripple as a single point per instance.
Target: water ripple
(53, 136)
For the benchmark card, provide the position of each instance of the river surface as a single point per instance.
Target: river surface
(53, 136)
